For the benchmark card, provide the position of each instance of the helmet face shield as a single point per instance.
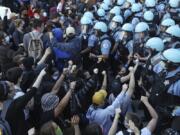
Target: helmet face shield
(97, 32)
(113, 25)
(124, 35)
(140, 35)
(84, 29)
(163, 28)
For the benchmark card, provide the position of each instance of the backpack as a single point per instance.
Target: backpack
(159, 89)
(4, 125)
(35, 48)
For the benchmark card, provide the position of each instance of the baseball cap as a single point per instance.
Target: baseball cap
(70, 31)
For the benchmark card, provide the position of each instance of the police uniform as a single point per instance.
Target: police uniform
(174, 89)
(105, 45)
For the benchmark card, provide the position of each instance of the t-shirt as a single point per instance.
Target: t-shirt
(144, 131)
(15, 114)
(47, 116)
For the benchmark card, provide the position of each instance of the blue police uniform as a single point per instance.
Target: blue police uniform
(174, 89)
(105, 45)
(92, 40)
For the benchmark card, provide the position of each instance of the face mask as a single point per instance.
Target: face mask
(36, 16)
(58, 131)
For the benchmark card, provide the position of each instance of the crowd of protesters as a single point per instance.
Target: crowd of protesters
(72, 67)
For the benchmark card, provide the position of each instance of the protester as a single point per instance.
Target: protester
(71, 67)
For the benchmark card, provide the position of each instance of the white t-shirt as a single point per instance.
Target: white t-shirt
(144, 131)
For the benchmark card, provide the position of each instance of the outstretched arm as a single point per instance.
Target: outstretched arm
(59, 82)
(153, 122)
(63, 103)
(114, 126)
(104, 84)
(131, 82)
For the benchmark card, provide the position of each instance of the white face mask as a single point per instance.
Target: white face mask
(36, 16)
(113, 25)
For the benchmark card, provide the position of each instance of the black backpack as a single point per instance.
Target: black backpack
(4, 125)
(159, 89)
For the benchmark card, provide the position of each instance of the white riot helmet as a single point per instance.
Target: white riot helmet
(136, 7)
(155, 43)
(174, 31)
(101, 12)
(174, 3)
(172, 55)
(150, 3)
(101, 26)
(128, 27)
(118, 19)
(148, 16)
(141, 27)
(168, 22)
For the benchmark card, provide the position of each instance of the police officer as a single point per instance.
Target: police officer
(120, 3)
(86, 32)
(126, 11)
(105, 7)
(141, 36)
(137, 14)
(125, 44)
(149, 18)
(102, 49)
(114, 11)
(173, 11)
(155, 46)
(151, 6)
(174, 34)
(101, 15)
(163, 27)
(115, 27)
(172, 61)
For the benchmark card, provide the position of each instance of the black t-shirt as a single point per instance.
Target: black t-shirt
(15, 114)
(47, 116)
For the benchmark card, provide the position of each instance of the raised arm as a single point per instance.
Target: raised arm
(59, 82)
(125, 78)
(114, 126)
(63, 103)
(22, 101)
(131, 82)
(75, 123)
(46, 54)
(39, 79)
(153, 122)
(104, 84)
(118, 101)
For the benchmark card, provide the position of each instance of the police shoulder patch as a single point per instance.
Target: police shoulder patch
(105, 46)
